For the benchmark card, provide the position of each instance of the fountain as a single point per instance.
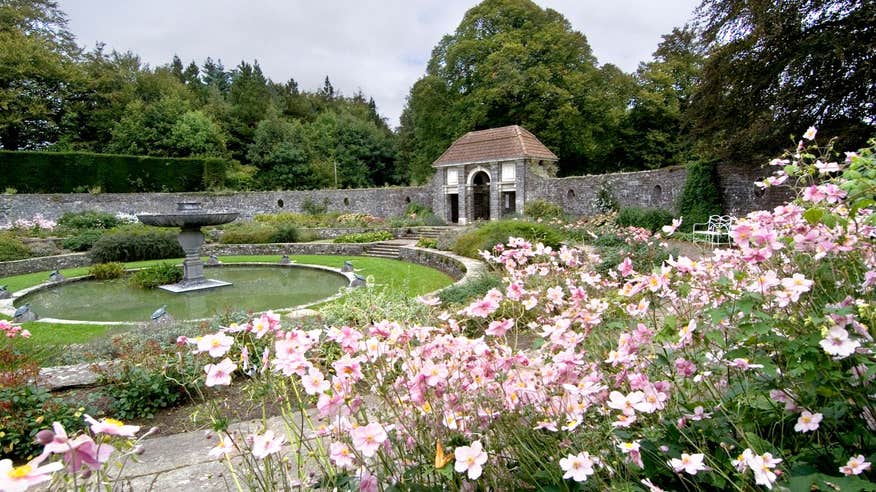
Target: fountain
(190, 217)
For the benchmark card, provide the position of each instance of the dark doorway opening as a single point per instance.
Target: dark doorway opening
(509, 203)
(454, 208)
(480, 194)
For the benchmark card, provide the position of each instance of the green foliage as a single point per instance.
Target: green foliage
(66, 172)
(89, 219)
(156, 275)
(471, 289)
(647, 253)
(701, 196)
(263, 232)
(605, 200)
(310, 207)
(651, 219)
(26, 410)
(498, 232)
(427, 242)
(365, 305)
(83, 240)
(11, 248)
(541, 209)
(149, 379)
(135, 244)
(774, 69)
(364, 237)
(107, 271)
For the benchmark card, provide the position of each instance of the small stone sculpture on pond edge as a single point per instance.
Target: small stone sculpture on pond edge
(23, 314)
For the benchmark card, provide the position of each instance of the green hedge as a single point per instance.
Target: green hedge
(136, 245)
(647, 218)
(69, 172)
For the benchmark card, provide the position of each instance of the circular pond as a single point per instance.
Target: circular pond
(254, 288)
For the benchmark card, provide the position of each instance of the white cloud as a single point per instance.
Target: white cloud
(380, 47)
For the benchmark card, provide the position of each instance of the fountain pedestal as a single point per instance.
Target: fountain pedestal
(190, 218)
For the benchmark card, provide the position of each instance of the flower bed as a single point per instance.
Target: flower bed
(749, 369)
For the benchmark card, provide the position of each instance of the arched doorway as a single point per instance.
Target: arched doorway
(480, 195)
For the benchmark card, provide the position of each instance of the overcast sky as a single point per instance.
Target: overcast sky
(380, 47)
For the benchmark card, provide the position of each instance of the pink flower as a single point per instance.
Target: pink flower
(689, 463)
(855, 466)
(481, 308)
(341, 455)
(807, 422)
(578, 466)
(265, 444)
(112, 427)
(810, 133)
(498, 328)
(633, 450)
(838, 344)
(220, 374)
(625, 403)
(470, 459)
(314, 382)
(20, 478)
(669, 229)
(216, 344)
(762, 466)
(77, 452)
(368, 438)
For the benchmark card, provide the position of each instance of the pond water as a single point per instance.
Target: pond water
(254, 289)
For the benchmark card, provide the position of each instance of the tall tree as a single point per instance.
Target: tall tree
(652, 134)
(512, 62)
(250, 100)
(777, 67)
(37, 55)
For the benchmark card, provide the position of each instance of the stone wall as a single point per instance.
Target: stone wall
(284, 249)
(577, 195)
(380, 202)
(43, 264)
(739, 193)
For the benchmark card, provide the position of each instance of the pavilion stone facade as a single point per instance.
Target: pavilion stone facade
(482, 175)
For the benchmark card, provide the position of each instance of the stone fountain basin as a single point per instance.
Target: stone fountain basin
(183, 219)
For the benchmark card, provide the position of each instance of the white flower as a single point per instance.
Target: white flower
(810, 133)
(689, 463)
(838, 343)
(578, 466)
(808, 421)
(855, 466)
(470, 459)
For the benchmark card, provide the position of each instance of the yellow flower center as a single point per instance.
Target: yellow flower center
(117, 423)
(20, 471)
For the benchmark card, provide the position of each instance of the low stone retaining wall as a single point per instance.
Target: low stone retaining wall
(458, 267)
(284, 249)
(43, 263)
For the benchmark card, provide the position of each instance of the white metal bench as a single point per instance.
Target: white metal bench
(715, 231)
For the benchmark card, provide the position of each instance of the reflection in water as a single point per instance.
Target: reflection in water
(253, 289)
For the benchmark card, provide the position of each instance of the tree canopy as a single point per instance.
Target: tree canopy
(512, 62)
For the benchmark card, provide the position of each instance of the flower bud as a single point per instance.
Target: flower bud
(45, 436)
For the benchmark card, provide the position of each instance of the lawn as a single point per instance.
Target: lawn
(394, 274)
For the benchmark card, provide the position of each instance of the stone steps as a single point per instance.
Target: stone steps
(383, 250)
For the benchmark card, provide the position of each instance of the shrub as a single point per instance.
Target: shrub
(89, 219)
(83, 241)
(11, 248)
(701, 196)
(498, 232)
(646, 218)
(466, 291)
(147, 378)
(248, 233)
(26, 410)
(136, 244)
(605, 201)
(427, 242)
(364, 237)
(366, 305)
(156, 275)
(310, 207)
(107, 271)
(540, 209)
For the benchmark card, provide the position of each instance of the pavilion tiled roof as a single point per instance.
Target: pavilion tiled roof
(495, 144)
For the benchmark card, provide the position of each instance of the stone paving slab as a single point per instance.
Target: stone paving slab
(72, 376)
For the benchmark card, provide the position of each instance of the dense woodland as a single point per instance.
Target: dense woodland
(734, 84)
